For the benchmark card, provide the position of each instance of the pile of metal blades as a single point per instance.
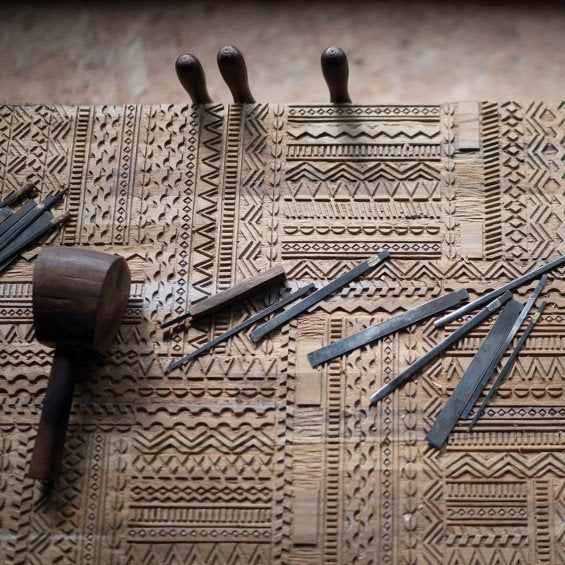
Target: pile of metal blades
(485, 362)
(19, 228)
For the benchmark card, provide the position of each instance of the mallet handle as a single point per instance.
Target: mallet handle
(49, 443)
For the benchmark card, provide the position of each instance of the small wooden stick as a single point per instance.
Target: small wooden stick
(191, 76)
(335, 69)
(234, 72)
(235, 293)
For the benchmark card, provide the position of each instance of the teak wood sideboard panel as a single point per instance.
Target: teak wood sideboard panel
(247, 454)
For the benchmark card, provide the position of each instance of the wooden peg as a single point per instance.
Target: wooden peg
(191, 76)
(336, 72)
(234, 72)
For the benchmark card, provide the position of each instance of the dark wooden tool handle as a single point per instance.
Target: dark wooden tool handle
(234, 71)
(49, 443)
(238, 292)
(191, 76)
(336, 72)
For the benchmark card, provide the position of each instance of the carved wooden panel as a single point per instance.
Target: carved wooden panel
(247, 454)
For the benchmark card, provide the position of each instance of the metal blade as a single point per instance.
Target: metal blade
(245, 324)
(315, 297)
(496, 359)
(5, 213)
(406, 375)
(508, 365)
(9, 200)
(493, 294)
(451, 412)
(11, 252)
(47, 203)
(14, 218)
(394, 324)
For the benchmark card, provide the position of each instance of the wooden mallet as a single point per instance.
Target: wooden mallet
(79, 299)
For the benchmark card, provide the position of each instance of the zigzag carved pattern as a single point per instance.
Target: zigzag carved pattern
(470, 465)
(350, 172)
(249, 237)
(199, 553)
(407, 130)
(204, 245)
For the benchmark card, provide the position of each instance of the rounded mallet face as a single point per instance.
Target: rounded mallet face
(79, 297)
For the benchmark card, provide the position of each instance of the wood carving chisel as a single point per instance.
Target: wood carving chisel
(497, 292)
(5, 213)
(454, 406)
(387, 327)
(13, 218)
(24, 191)
(513, 331)
(236, 293)
(45, 223)
(26, 220)
(245, 324)
(508, 365)
(320, 294)
(453, 337)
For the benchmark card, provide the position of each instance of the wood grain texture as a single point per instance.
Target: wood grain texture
(238, 292)
(247, 454)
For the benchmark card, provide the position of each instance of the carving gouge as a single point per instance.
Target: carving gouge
(235, 293)
(25, 190)
(245, 324)
(387, 327)
(508, 365)
(315, 297)
(455, 404)
(27, 219)
(406, 375)
(513, 331)
(493, 294)
(46, 222)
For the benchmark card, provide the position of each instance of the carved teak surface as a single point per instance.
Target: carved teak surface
(248, 454)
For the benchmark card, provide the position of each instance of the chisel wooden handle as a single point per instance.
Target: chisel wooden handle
(235, 293)
(335, 69)
(191, 76)
(238, 292)
(234, 72)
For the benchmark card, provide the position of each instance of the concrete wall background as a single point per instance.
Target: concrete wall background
(108, 52)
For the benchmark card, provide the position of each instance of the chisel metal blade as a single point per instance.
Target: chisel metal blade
(507, 366)
(530, 276)
(454, 406)
(245, 324)
(47, 203)
(14, 218)
(320, 294)
(406, 375)
(42, 225)
(387, 327)
(5, 213)
(9, 200)
(496, 359)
